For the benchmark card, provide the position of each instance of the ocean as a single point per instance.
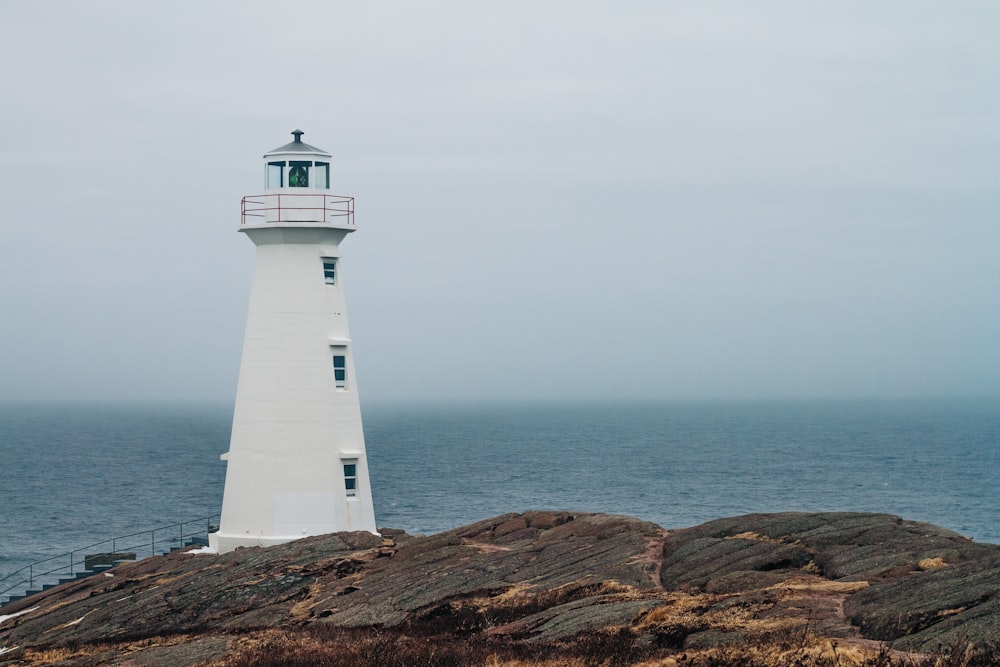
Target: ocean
(73, 475)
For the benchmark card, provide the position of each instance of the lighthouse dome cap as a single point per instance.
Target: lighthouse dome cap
(297, 146)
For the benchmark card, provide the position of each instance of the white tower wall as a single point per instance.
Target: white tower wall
(296, 424)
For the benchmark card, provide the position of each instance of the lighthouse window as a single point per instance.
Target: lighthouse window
(340, 371)
(274, 174)
(329, 270)
(351, 477)
(298, 174)
(323, 175)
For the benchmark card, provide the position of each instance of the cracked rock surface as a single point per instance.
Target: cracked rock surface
(531, 578)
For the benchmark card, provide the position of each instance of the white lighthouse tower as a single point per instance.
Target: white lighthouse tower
(296, 459)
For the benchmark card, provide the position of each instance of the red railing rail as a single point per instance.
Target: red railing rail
(297, 207)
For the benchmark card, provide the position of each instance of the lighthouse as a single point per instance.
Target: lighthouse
(296, 463)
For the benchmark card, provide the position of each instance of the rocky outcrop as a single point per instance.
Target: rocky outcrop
(919, 586)
(534, 584)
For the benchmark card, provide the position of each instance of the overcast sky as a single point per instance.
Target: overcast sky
(554, 199)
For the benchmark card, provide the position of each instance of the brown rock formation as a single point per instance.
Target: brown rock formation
(538, 588)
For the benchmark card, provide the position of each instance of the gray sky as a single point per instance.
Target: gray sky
(554, 199)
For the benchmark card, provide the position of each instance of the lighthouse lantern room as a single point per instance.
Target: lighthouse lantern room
(296, 463)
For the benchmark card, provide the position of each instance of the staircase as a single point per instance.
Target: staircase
(89, 560)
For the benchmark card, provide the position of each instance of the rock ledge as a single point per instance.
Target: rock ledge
(532, 586)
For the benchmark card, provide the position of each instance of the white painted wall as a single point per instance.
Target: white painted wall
(292, 427)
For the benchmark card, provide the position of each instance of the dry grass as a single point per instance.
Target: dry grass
(684, 614)
(50, 656)
(932, 563)
(820, 585)
(750, 535)
(321, 645)
(335, 647)
(73, 654)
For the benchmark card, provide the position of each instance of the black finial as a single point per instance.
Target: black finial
(298, 135)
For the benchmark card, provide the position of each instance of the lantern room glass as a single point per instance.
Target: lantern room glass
(298, 173)
(275, 174)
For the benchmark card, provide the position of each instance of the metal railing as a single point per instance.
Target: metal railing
(297, 207)
(71, 563)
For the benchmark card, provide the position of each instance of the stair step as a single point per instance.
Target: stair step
(104, 561)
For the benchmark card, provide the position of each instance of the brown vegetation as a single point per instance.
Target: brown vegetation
(542, 589)
(337, 647)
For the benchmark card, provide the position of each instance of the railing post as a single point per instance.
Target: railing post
(48, 571)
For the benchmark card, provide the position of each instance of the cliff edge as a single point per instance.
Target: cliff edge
(539, 588)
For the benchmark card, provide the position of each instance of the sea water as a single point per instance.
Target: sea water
(72, 475)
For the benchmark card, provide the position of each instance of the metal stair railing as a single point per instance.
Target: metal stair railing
(72, 563)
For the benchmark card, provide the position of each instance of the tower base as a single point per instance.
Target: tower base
(221, 543)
